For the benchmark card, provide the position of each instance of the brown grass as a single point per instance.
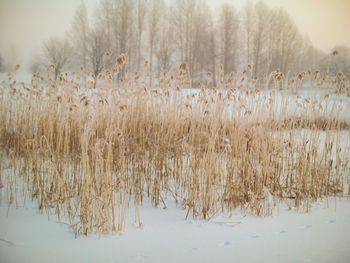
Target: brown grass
(90, 155)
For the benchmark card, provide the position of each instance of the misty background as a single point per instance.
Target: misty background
(208, 36)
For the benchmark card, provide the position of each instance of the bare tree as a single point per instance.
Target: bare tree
(153, 27)
(123, 21)
(192, 22)
(200, 55)
(141, 12)
(248, 21)
(182, 18)
(284, 41)
(96, 51)
(56, 52)
(79, 35)
(165, 48)
(228, 27)
(290, 42)
(212, 55)
(104, 15)
(259, 38)
(184, 31)
(123, 26)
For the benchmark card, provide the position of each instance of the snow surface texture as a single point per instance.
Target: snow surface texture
(287, 236)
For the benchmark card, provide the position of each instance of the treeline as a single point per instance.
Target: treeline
(157, 36)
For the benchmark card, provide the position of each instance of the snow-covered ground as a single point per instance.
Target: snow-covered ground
(287, 236)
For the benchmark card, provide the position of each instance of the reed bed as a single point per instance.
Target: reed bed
(92, 155)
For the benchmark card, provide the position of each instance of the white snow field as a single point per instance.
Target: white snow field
(288, 236)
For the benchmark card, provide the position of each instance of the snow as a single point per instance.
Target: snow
(288, 236)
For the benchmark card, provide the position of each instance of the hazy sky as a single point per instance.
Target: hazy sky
(25, 24)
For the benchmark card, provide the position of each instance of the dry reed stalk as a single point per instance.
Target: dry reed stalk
(91, 155)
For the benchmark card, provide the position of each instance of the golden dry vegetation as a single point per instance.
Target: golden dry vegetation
(91, 154)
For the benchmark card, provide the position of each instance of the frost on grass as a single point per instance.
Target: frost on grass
(90, 155)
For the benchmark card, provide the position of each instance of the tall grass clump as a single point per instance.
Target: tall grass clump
(91, 154)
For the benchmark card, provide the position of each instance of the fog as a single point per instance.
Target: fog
(26, 24)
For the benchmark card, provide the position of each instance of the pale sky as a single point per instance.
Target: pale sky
(25, 24)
